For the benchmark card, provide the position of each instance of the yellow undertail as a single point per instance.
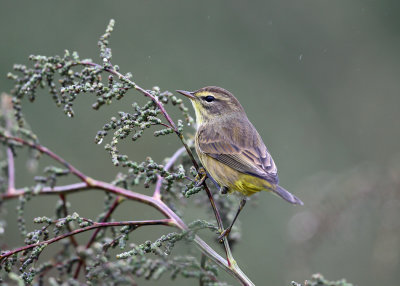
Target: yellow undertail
(249, 185)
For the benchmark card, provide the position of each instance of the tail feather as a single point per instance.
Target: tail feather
(287, 196)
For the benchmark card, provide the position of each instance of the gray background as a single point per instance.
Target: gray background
(319, 79)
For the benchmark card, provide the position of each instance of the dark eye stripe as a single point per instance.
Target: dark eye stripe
(209, 98)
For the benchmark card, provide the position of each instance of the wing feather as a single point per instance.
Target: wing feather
(239, 147)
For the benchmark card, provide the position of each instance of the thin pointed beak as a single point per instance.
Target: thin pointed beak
(187, 94)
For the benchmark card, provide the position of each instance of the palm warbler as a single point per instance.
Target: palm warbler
(230, 148)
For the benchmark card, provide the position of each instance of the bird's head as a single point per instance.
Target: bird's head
(211, 102)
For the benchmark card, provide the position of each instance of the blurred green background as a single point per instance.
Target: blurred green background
(319, 79)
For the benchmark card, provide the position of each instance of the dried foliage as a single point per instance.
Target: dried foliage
(319, 280)
(173, 181)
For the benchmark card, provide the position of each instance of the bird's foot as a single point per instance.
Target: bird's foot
(201, 176)
(202, 171)
(224, 233)
(223, 190)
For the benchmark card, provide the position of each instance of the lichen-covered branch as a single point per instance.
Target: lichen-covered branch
(90, 183)
(118, 200)
(66, 77)
(96, 225)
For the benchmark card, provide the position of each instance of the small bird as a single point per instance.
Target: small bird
(230, 148)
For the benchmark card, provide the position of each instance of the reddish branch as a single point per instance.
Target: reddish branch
(152, 97)
(71, 238)
(171, 161)
(65, 211)
(116, 202)
(89, 183)
(52, 155)
(6, 105)
(11, 174)
(167, 222)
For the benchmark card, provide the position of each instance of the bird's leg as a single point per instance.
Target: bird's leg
(228, 230)
(201, 176)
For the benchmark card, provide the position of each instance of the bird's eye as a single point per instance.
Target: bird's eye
(209, 98)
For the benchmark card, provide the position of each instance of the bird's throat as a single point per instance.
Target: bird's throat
(199, 115)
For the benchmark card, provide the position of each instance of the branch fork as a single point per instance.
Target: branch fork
(86, 183)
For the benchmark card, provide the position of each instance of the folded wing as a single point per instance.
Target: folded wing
(240, 147)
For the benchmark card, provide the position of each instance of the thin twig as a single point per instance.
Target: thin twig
(6, 106)
(11, 171)
(171, 161)
(152, 97)
(49, 153)
(116, 203)
(167, 222)
(203, 262)
(65, 211)
(66, 189)
(228, 252)
(72, 238)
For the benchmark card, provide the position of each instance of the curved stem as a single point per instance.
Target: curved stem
(171, 161)
(116, 203)
(233, 269)
(49, 153)
(189, 152)
(167, 222)
(6, 105)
